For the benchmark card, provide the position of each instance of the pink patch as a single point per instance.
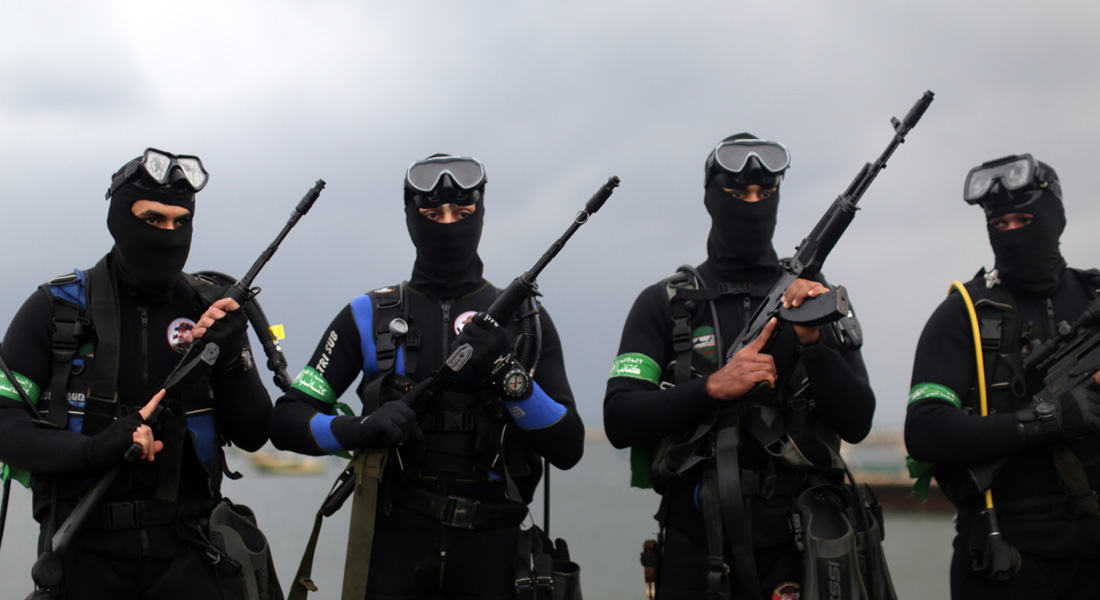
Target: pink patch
(462, 319)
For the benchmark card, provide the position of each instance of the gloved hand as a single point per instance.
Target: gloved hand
(488, 340)
(228, 333)
(224, 324)
(108, 447)
(1072, 414)
(492, 359)
(390, 424)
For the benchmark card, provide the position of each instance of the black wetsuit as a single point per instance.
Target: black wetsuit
(1061, 552)
(418, 556)
(638, 413)
(108, 558)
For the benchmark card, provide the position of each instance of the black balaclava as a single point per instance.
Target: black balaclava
(740, 243)
(148, 259)
(1029, 258)
(447, 263)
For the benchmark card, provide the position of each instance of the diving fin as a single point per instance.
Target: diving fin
(830, 558)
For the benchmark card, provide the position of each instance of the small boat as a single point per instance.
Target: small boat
(287, 463)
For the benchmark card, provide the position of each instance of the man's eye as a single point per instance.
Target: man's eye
(764, 195)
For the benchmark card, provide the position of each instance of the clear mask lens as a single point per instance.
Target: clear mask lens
(1014, 173)
(423, 176)
(157, 165)
(734, 155)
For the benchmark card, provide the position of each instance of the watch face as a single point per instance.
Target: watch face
(515, 383)
(1045, 408)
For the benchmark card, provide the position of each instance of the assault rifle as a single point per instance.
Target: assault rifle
(505, 304)
(1071, 357)
(47, 570)
(201, 356)
(814, 249)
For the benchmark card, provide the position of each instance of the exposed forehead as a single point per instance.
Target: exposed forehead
(450, 206)
(1012, 216)
(141, 207)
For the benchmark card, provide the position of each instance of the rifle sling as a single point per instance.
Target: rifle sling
(369, 466)
(735, 521)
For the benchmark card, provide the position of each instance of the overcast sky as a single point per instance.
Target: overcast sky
(554, 97)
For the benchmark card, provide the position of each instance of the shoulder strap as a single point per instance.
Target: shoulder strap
(374, 312)
(101, 404)
(70, 321)
(678, 289)
(387, 307)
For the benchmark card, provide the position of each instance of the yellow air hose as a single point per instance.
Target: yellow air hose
(981, 363)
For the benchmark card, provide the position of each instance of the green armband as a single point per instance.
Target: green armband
(9, 472)
(920, 470)
(8, 390)
(636, 366)
(313, 384)
(922, 391)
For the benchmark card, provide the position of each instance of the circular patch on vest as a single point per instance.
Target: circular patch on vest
(463, 319)
(787, 591)
(179, 335)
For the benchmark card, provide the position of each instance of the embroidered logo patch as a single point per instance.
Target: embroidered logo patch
(179, 335)
(703, 342)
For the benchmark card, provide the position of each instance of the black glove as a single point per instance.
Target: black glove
(1071, 414)
(492, 359)
(488, 340)
(390, 424)
(228, 333)
(108, 447)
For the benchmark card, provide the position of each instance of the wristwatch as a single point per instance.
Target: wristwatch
(1047, 414)
(516, 383)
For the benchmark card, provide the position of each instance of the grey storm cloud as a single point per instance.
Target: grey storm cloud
(553, 98)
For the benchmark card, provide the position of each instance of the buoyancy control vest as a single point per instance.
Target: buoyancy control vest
(464, 434)
(1004, 341)
(801, 461)
(85, 348)
(782, 423)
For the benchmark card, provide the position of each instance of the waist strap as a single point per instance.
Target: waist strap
(143, 513)
(455, 511)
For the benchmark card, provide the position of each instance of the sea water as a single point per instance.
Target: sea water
(592, 506)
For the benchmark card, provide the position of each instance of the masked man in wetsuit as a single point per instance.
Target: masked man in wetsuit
(816, 389)
(91, 348)
(1042, 458)
(461, 471)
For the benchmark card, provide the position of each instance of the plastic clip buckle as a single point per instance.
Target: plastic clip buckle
(461, 512)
